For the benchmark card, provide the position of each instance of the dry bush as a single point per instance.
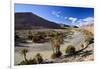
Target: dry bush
(39, 58)
(70, 50)
(56, 55)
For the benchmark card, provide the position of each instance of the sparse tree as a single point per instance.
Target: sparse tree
(56, 41)
(24, 52)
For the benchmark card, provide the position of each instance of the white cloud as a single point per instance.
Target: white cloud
(89, 19)
(56, 13)
(73, 20)
(85, 21)
(80, 22)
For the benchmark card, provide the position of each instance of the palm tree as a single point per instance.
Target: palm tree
(24, 52)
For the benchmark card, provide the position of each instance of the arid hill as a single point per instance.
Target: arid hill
(28, 20)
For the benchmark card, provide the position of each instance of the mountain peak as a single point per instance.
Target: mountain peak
(28, 20)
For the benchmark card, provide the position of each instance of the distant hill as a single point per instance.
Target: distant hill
(28, 20)
(67, 26)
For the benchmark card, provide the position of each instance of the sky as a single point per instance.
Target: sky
(60, 14)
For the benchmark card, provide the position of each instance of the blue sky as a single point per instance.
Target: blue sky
(59, 14)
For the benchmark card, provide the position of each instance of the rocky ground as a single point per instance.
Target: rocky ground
(86, 55)
(45, 49)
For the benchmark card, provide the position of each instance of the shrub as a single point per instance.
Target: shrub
(23, 63)
(70, 50)
(16, 37)
(35, 38)
(39, 37)
(30, 37)
(56, 55)
(30, 61)
(38, 58)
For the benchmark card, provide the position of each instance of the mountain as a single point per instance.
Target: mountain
(28, 20)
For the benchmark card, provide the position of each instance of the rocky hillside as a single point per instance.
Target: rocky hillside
(28, 20)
